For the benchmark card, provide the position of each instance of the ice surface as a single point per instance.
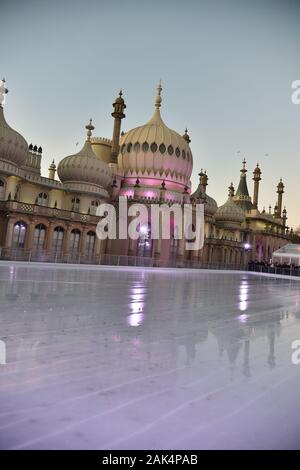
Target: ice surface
(106, 359)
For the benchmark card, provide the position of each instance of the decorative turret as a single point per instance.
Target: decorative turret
(52, 170)
(284, 216)
(186, 136)
(231, 190)
(200, 195)
(242, 197)
(118, 114)
(256, 179)
(203, 180)
(280, 192)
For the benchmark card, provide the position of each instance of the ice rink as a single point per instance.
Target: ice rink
(99, 358)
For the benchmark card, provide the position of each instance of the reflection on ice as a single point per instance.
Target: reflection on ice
(141, 359)
(135, 319)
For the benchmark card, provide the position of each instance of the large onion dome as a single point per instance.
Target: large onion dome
(200, 195)
(155, 151)
(13, 147)
(230, 211)
(84, 166)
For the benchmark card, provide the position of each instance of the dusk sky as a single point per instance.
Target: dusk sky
(226, 69)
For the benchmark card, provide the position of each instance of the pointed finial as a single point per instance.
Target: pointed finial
(158, 96)
(89, 128)
(3, 92)
(186, 136)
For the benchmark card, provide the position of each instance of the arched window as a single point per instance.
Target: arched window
(90, 243)
(75, 204)
(42, 199)
(39, 237)
(2, 190)
(74, 241)
(93, 207)
(19, 234)
(58, 238)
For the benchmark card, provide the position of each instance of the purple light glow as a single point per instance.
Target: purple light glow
(135, 319)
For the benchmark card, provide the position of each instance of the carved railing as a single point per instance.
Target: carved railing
(35, 209)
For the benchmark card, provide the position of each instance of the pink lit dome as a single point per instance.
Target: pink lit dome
(153, 153)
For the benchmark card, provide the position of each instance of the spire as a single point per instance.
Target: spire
(242, 197)
(158, 99)
(3, 92)
(89, 128)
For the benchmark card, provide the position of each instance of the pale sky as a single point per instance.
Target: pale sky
(226, 69)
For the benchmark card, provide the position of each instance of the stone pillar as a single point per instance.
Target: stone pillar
(9, 233)
(82, 241)
(65, 247)
(29, 235)
(49, 236)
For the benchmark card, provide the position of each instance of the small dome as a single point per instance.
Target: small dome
(230, 212)
(210, 206)
(13, 147)
(200, 195)
(85, 167)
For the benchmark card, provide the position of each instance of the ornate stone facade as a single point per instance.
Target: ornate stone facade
(46, 219)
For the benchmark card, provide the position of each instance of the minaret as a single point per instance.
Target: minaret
(280, 191)
(52, 170)
(256, 179)
(118, 114)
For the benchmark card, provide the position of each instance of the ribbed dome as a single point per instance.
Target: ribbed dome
(210, 206)
(85, 167)
(230, 212)
(157, 151)
(13, 147)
